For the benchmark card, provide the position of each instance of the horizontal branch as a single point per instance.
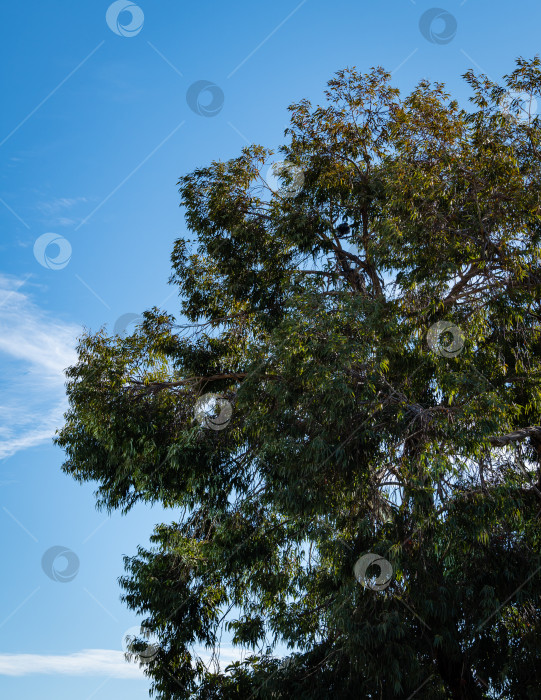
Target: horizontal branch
(515, 436)
(157, 386)
(194, 381)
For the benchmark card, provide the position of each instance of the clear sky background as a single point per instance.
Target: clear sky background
(95, 131)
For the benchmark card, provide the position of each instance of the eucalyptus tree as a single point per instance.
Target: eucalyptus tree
(347, 427)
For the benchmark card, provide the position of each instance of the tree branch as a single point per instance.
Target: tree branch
(459, 286)
(158, 386)
(515, 436)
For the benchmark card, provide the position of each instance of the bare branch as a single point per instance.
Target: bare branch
(515, 436)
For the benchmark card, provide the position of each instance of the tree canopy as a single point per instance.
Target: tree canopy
(358, 374)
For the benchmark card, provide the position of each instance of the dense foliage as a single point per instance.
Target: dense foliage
(374, 326)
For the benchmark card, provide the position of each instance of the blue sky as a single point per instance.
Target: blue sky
(95, 131)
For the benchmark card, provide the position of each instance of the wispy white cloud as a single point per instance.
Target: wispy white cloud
(54, 210)
(60, 204)
(89, 662)
(65, 221)
(35, 348)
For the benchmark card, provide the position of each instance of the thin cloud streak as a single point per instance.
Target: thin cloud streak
(89, 662)
(35, 349)
(92, 662)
